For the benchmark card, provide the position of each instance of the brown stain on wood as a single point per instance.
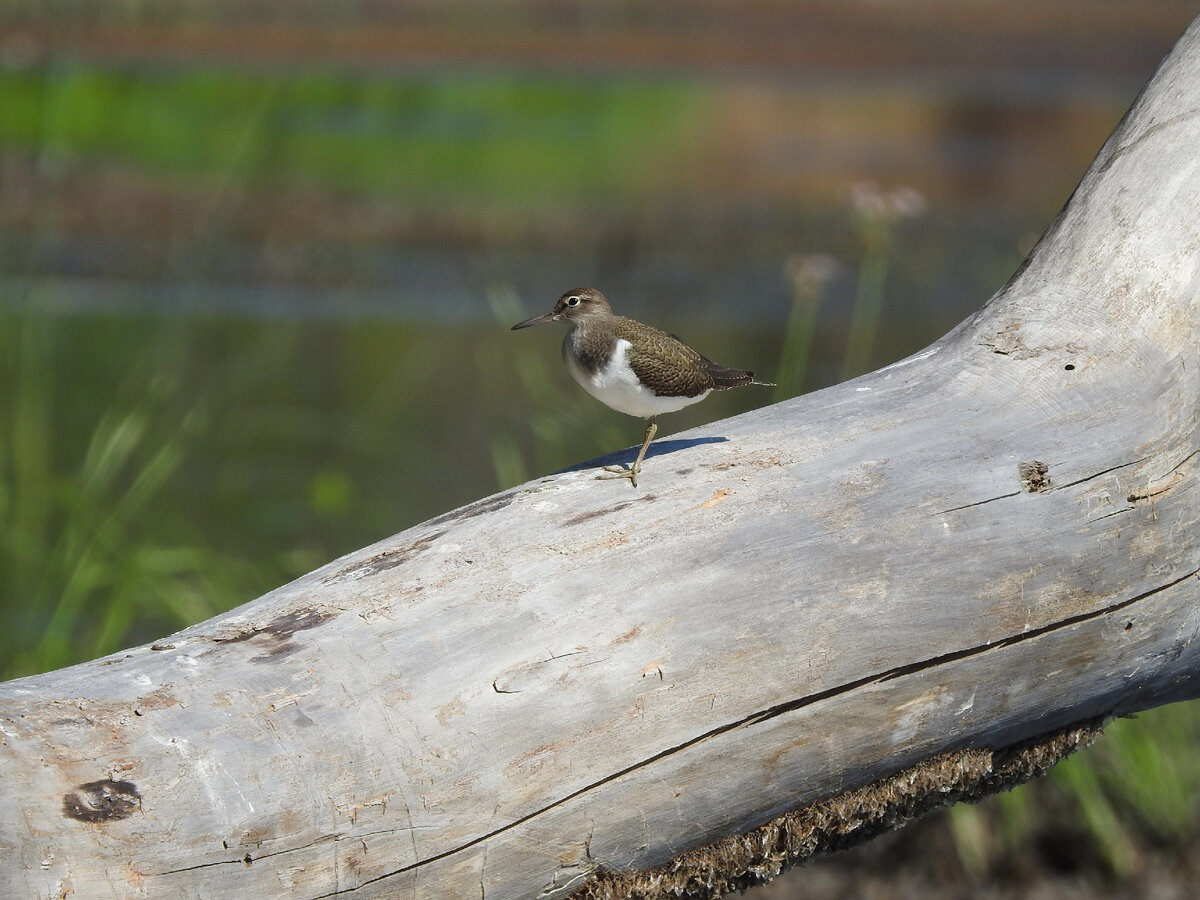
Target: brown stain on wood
(161, 698)
(532, 760)
(596, 513)
(275, 637)
(719, 496)
(627, 636)
(451, 710)
(102, 801)
(478, 508)
(389, 559)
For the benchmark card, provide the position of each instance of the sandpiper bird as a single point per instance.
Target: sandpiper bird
(631, 367)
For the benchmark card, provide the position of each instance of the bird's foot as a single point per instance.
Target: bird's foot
(621, 472)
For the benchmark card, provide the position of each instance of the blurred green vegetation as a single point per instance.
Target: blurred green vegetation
(545, 138)
(1128, 800)
(93, 552)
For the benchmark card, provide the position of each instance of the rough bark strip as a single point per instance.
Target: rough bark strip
(853, 817)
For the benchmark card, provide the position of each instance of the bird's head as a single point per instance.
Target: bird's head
(572, 307)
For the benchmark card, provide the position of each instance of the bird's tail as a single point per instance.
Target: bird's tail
(725, 377)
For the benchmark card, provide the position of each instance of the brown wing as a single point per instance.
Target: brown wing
(670, 367)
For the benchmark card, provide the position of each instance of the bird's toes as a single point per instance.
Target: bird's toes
(619, 472)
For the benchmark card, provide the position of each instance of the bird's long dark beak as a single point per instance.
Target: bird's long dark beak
(536, 320)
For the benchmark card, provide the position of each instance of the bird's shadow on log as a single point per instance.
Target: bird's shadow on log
(656, 448)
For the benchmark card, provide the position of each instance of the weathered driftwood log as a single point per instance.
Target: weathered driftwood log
(994, 540)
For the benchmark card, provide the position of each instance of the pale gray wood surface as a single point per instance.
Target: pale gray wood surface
(574, 674)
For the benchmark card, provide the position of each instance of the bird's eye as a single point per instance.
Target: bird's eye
(572, 301)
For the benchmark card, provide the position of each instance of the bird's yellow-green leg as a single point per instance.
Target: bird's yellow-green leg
(632, 473)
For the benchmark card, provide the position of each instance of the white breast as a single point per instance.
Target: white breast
(616, 386)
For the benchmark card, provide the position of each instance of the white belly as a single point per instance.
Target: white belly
(616, 386)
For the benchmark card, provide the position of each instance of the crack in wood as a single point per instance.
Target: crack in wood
(1180, 464)
(1163, 484)
(780, 709)
(1057, 487)
(953, 656)
(1121, 511)
(207, 865)
(978, 503)
(1101, 473)
(1154, 491)
(248, 858)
